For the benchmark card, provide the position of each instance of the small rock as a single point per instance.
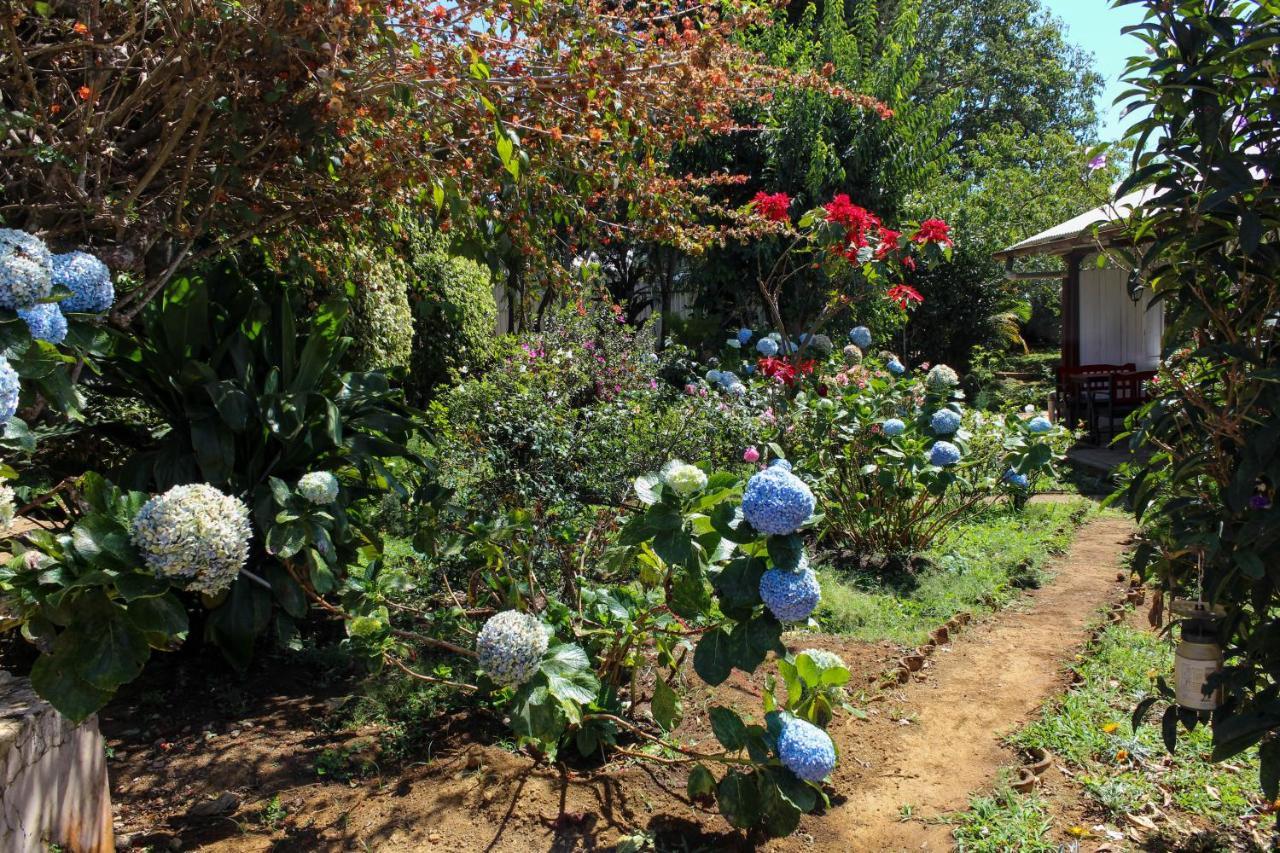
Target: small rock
(433, 837)
(224, 803)
(124, 841)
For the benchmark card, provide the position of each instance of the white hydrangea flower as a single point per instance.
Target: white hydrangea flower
(8, 507)
(941, 378)
(194, 535)
(682, 478)
(510, 646)
(318, 487)
(825, 659)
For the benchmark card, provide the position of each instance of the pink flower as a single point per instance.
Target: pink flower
(1099, 162)
(691, 389)
(751, 455)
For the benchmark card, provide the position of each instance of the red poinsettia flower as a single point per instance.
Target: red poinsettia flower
(933, 231)
(904, 295)
(773, 206)
(857, 221)
(888, 243)
(909, 262)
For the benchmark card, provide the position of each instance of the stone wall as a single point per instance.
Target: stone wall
(53, 777)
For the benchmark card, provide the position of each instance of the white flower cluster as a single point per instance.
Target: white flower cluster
(26, 269)
(7, 507)
(941, 379)
(194, 534)
(825, 659)
(318, 487)
(682, 478)
(510, 646)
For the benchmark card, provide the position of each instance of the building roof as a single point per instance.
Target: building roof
(1078, 231)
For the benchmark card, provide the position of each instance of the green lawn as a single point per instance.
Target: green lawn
(982, 566)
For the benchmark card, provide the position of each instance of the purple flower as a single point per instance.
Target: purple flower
(1259, 502)
(1099, 162)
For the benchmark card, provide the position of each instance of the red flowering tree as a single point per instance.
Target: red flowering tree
(157, 133)
(856, 254)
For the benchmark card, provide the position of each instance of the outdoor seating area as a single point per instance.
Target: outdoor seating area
(1099, 397)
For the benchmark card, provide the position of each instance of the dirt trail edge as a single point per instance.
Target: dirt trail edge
(992, 678)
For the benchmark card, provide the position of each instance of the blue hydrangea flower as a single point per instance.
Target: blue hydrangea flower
(1039, 424)
(651, 357)
(713, 376)
(790, 596)
(776, 501)
(895, 367)
(510, 646)
(767, 347)
(944, 453)
(945, 422)
(806, 750)
(194, 534)
(750, 369)
(9, 389)
(726, 379)
(318, 487)
(26, 269)
(1013, 478)
(744, 336)
(734, 343)
(45, 322)
(894, 427)
(87, 278)
(737, 389)
(860, 336)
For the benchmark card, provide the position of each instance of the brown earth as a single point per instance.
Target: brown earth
(927, 744)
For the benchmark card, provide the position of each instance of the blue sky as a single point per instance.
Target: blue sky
(1095, 26)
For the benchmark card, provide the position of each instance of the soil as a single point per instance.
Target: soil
(927, 744)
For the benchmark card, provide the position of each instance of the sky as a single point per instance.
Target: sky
(1095, 26)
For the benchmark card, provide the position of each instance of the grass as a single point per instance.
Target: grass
(1004, 821)
(1123, 770)
(982, 566)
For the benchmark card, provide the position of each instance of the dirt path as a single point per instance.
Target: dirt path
(993, 678)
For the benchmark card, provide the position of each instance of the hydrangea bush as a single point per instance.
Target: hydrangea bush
(26, 269)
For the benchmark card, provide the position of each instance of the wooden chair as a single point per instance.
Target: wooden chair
(1126, 393)
(1079, 389)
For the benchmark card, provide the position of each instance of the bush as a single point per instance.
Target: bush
(454, 314)
(383, 327)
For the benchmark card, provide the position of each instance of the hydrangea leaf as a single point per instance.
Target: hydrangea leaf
(727, 520)
(738, 586)
(54, 677)
(778, 814)
(690, 596)
(728, 728)
(537, 715)
(701, 783)
(786, 552)
(666, 707)
(712, 659)
(569, 675)
(738, 796)
(161, 619)
(798, 792)
(647, 488)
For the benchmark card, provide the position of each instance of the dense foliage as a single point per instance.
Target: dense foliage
(1205, 241)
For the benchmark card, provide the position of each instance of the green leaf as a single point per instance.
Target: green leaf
(56, 680)
(738, 586)
(738, 796)
(712, 659)
(647, 489)
(287, 591)
(537, 715)
(112, 652)
(701, 783)
(808, 670)
(161, 619)
(235, 624)
(786, 552)
(728, 728)
(135, 585)
(690, 596)
(1269, 768)
(666, 706)
(569, 675)
(778, 814)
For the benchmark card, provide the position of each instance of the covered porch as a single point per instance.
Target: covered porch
(1111, 328)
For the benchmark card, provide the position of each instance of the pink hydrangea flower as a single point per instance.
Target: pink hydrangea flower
(751, 455)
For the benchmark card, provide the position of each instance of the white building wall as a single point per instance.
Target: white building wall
(1113, 328)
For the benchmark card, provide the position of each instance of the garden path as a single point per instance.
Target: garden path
(988, 682)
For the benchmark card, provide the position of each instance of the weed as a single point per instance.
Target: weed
(1004, 821)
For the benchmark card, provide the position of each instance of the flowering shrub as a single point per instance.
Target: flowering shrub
(510, 646)
(45, 322)
(194, 535)
(89, 281)
(318, 487)
(900, 457)
(806, 750)
(9, 390)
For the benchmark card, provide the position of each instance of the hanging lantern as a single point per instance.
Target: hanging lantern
(1199, 658)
